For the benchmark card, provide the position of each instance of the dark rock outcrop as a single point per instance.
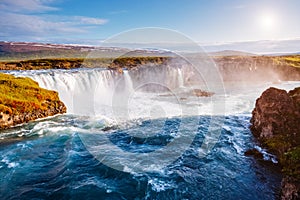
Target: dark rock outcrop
(276, 125)
(255, 153)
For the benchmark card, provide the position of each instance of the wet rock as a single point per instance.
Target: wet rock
(255, 153)
(202, 93)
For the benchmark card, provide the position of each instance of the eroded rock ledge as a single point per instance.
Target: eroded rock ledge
(22, 100)
(276, 125)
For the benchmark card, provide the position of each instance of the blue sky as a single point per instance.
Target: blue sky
(205, 21)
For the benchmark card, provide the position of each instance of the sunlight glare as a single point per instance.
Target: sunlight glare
(267, 22)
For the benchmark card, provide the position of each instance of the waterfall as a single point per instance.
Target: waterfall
(79, 89)
(91, 92)
(128, 81)
(180, 78)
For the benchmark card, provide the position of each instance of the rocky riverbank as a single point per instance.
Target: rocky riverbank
(22, 100)
(275, 123)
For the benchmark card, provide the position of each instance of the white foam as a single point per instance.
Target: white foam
(267, 156)
(160, 185)
(9, 163)
(118, 97)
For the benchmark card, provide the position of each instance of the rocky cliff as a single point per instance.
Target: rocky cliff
(276, 125)
(259, 68)
(22, 100)
(74, 63)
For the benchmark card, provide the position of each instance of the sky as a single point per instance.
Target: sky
(208, 22)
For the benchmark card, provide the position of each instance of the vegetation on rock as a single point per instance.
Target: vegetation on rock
(22, 100)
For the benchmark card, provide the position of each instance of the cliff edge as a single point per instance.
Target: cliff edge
(22, 100)
(276, 125)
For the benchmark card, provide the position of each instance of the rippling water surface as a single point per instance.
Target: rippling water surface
(47, 159)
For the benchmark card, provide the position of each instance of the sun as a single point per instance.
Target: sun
(267, 22)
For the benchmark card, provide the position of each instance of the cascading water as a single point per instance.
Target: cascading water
(94, 92)
(102, 92)
(49, 159)
(128, 81)
(180, 78)
(78, 88)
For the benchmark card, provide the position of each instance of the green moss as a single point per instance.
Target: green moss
(287, 149)
(291, 162)
(278, 144)
(19, 95)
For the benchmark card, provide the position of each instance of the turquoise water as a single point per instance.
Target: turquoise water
(48, 160)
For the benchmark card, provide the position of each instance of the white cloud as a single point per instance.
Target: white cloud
(26, 5)
(23, 19)
(32, 25)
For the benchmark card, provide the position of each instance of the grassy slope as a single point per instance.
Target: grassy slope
(19, 95)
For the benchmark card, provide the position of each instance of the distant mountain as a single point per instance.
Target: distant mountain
(231, 53)
(23, 50)
(261, 47)
(28, 51)
(282, 54)
(19, 47)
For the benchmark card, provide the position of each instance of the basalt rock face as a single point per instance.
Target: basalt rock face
(258, 68)
(276, 125)
(8, 120)
(22, 100)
